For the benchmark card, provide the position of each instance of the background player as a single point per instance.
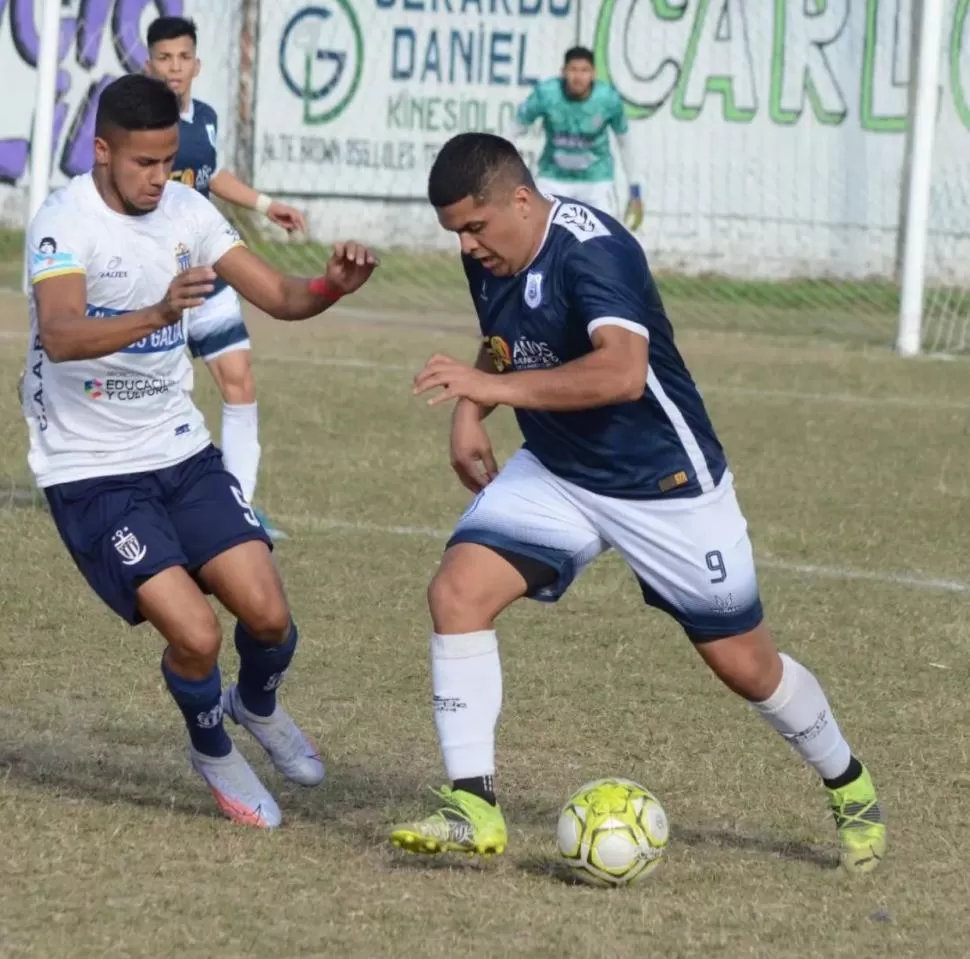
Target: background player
(577, 112)
(217, 332)
(619, 452)
(138, 493)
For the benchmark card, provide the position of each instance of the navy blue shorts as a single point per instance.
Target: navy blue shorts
(122, 530)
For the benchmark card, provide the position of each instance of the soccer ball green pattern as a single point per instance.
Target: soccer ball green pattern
(612, 832)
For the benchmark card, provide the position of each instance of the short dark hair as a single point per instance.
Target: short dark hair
(171, 28)
(579, 53)
(136, 102)
(470, 164)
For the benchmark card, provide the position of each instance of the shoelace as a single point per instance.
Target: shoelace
(848, 814)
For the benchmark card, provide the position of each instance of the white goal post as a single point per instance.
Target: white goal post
(802, 163)
(922, 133)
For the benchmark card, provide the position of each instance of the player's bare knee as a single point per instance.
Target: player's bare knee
(268, 619)
(748, 664)
(459, 602)
(194, 652)
(473, 585)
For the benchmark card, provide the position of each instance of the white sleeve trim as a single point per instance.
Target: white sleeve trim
(628, 325)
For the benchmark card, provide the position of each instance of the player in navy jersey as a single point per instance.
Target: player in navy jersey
(217, 332)
(619, 453)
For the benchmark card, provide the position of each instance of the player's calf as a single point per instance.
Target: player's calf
(472, 586)
(252, 703)
(748, 663)
(247, 583)
(791, 700)
(177, 609)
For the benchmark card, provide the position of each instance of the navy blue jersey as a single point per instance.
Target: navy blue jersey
(590, 272)
(197, 157)
(196, 160)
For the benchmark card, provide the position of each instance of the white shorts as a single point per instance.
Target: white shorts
(691, 556)
(217, 326)
(600, 195)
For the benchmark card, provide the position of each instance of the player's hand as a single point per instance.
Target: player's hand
(288, 217)
(472, 458)
(187, 291)
(457, 379)
(633, 218)
(350, 266)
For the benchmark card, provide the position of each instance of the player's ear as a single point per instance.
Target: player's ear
(102, 152)
(522, 200)
(198, 67)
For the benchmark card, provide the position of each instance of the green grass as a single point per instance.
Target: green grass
(844, 461)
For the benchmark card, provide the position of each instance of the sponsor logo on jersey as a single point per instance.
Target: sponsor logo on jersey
(499, 351)
(113, 270)
(125, 389)
(533, 355)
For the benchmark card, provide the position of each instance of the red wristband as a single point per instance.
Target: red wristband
(320, 287)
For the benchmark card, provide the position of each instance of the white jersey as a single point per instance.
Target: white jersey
(130, 412)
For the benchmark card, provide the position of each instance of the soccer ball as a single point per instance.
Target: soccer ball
(612, 832)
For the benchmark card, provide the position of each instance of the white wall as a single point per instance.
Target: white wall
(770, 140)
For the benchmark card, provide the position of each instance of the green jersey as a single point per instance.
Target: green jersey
(577, 131)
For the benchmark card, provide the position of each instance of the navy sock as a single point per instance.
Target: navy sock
(261, 669)
(201, 703)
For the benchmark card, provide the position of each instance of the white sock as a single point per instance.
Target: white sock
(466, 677)
(799, 711)
(240, 445)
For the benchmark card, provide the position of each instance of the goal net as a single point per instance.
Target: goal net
(770, 137)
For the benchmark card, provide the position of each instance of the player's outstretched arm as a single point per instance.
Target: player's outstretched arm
(68, 333)
(614, 372)
(295, 297)
(227, 186)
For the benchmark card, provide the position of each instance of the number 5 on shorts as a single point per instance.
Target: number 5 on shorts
(715, 563)
(251, 516)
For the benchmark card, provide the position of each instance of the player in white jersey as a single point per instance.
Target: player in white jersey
(140, 497)
(620, 454)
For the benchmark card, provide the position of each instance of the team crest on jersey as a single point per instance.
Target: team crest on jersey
(128, 547)
(499, 351)
(533, 290)
(183, 258)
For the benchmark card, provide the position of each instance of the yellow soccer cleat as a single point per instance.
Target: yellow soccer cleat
(859, 823)
(465, 823)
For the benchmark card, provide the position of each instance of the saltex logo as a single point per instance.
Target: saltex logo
(322, 58)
